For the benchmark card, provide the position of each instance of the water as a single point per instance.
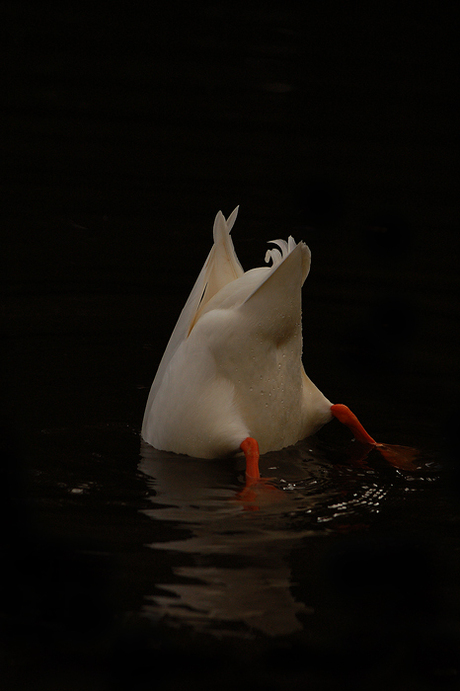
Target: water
(127, 567)
(140, 563)
(240, 582)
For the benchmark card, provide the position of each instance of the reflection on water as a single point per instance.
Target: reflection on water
(235, 576)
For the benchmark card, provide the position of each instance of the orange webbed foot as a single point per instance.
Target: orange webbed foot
(400, 457)
(257, 493)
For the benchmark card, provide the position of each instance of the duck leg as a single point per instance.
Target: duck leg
(250, 448)
(346, 417)
(401, 457)
(257, 490)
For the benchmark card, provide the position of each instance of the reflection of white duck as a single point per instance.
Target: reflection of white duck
(232, 377)
(246, 575)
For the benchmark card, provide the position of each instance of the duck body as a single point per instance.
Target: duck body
(233, 366)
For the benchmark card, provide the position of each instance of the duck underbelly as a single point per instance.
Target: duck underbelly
(206, 409)
(194, 412)
(268, 396)
(272, 416)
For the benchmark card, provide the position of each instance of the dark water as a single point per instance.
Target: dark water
(127, 567)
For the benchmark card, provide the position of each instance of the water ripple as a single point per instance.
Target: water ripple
(239, 581)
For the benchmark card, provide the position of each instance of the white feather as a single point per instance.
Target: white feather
(233, 367)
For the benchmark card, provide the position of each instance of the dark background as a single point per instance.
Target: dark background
(126, 130)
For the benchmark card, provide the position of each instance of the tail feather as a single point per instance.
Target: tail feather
(220, 267)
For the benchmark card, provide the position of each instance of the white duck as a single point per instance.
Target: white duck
(232, 377)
